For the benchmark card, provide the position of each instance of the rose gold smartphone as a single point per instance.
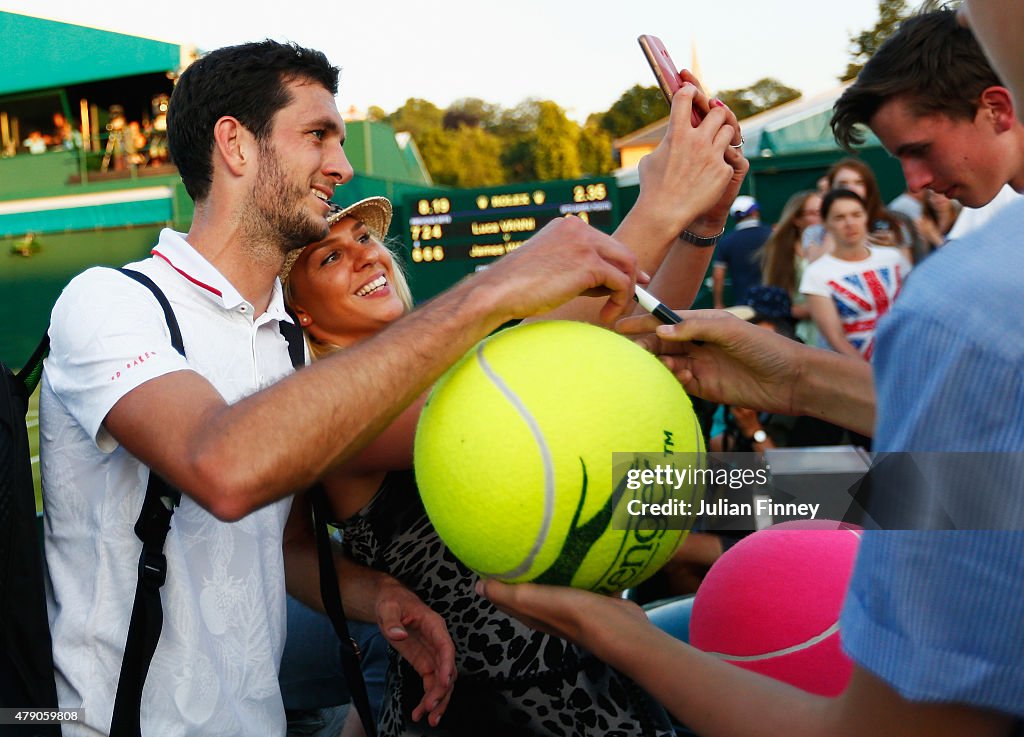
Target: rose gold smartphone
(668, 76)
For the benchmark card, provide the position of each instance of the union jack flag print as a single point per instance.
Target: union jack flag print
(862, 299)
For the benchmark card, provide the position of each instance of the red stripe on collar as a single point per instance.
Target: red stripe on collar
(192, 279)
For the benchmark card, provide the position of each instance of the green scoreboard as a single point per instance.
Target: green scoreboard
(447, 236)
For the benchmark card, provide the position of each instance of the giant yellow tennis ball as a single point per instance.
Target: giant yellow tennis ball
(513, 457)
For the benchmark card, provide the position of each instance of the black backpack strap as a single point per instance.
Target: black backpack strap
(296, 341)
(332, 604)
(329, 592)
(32, 371)
(172, 321)
(147, 611)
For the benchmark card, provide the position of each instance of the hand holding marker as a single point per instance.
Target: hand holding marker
(650, 303)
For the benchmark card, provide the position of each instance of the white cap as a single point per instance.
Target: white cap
(743, 205)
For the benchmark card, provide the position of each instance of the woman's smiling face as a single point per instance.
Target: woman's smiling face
(342, 287)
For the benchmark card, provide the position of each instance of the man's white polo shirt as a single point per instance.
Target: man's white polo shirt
(216, 665)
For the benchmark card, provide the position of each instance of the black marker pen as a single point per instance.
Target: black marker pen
(650, 303)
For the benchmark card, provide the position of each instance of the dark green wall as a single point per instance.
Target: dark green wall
(773, 180)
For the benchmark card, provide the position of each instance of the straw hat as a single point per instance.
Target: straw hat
(375, 212)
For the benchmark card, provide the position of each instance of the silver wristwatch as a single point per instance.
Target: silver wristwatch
(701, 241)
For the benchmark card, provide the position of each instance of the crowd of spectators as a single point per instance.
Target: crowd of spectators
(124, 143)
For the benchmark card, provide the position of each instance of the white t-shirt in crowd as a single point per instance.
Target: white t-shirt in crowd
(215, 667)
(971, 218)
(862, 291)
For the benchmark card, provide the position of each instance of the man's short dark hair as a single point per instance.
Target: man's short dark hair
(932, 60)
(247, 82)
(834, 195)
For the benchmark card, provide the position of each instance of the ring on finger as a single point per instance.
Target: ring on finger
(740, 144)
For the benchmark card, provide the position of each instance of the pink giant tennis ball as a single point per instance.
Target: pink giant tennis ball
(771, 604)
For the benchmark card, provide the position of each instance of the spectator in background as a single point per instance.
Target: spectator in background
(885, 228)
(136, 141)
(64, 136)
(849, 289)
(782, 257)
(35, 143)
(157, 133)
(972, 217)
(939, 215)
(737, 254)
(118, 140)
(908, 203)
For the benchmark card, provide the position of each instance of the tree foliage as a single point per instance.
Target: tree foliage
(863, 45)
(555, 144)
(474, 143)
(516, 127)
(638, 106)
(417, 117)
(520, 120)
(465, 157)
(472, 112)
(595, 148)
(763, 94)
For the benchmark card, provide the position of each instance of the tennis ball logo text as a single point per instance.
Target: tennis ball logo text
(644, 538)
(641, 542)
(641, 545)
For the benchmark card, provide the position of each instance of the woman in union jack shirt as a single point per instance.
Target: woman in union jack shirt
(849, 289)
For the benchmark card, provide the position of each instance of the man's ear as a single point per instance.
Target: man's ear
(997, 103)
(233, 144)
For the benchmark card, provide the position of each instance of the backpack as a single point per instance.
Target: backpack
(26, 664)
